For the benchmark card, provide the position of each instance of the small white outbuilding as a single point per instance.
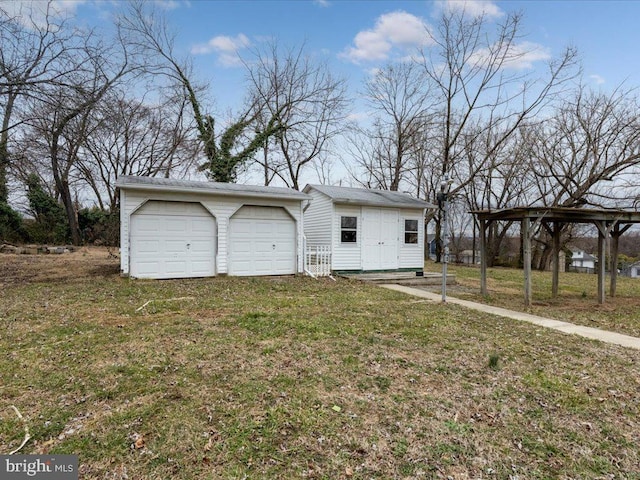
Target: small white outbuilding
(181, 229)
(366, 230)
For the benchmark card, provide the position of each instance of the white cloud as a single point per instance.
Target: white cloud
(322, 3)
(597, 79)
(34, 13)
(525, 54)
(473, 8)
(399, 30)
(521, 57)
(226, 47)
(167, 4)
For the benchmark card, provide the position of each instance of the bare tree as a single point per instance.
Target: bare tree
(479, 94)
(584, 153)
(307, 101)
(150, 37)
(132, 138)
(36, 50)
(399, 97)
(475, 75)
(62, 116)
(499, 180)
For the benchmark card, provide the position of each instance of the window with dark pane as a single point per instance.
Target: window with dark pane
(349, 229)
(411, 231)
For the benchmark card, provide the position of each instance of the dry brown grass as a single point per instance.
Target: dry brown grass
(87, 262)
(298, 378)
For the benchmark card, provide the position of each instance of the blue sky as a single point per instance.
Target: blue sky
(358, 36)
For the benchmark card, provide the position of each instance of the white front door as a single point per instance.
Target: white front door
(262, 241)
(380, 239)
(172, 240)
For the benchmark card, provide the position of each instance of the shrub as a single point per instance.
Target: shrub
(99, 226)
(11, 226)
(50, 221)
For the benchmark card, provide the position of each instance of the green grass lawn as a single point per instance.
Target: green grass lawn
(300, 378)
(576, 302)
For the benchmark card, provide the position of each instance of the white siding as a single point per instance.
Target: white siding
(124, 236)
(346, 256)
(412, 254)
(317, 219)
(221, 207)
(323, 226)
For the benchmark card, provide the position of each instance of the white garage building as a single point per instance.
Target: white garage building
(181, 229)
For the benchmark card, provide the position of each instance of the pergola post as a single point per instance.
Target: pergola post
(615, 237)
(602, 253)
(526, 260)
(483, 257)
(555, 263)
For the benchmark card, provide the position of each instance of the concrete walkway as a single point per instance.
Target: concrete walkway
(566, 327)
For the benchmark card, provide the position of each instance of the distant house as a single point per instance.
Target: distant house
(632, 270)
(466, 257)
(582, 262)
(366, 230)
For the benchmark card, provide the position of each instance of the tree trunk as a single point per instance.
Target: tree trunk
(62, 185)
(4, 166)
(72, 216)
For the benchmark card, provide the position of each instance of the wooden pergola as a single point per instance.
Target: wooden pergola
(611, 224)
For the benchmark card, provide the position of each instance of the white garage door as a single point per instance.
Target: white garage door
(172, 240)
(262, 241)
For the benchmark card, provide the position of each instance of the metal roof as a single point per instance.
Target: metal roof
(367, 197)
(213, 188)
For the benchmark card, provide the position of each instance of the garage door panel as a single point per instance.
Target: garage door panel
(264, 267)
(172, 240)
(284, 265)
(243, 227)
(172, 247)
(175, 267)
(262, 242)
(147, 247)
(242, 268)
(175, 224)
(200, 247)
(240, 248)
(146, 268)
(265, 229)
(263, 248)
(202, 226)
(147, 225)
(285, 229)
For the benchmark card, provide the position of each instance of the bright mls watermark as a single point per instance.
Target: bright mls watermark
(49, 467)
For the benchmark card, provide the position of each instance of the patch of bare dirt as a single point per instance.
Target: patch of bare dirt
(84, 263)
